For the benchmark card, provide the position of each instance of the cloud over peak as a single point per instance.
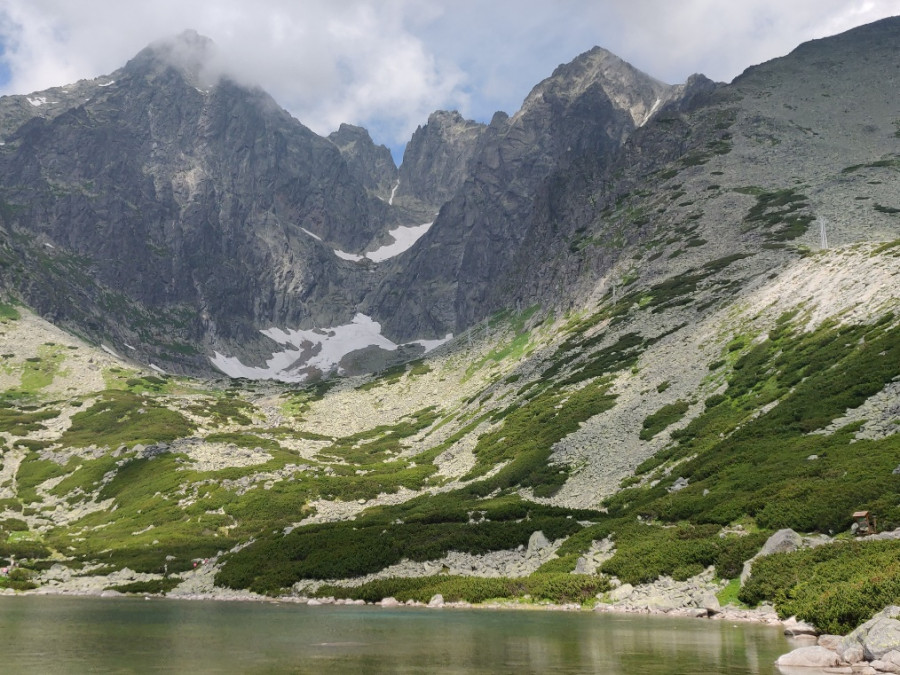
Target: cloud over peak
(387, 65)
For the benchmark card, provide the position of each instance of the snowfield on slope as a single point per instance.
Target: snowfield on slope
(318, 348)
(404, 238)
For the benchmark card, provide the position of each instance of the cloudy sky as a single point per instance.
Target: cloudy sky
(386, 64)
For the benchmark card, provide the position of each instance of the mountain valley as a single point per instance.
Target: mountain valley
(620, 336)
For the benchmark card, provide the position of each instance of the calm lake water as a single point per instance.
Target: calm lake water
(49, 635)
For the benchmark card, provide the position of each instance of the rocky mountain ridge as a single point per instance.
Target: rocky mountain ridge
(239, 220)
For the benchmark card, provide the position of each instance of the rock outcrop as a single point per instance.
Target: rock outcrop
(872, 647)
(436, 160)
(461, 273)
(369, 164)
(173, 210)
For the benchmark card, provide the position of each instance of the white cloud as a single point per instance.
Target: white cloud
(386, 65)
(722, 39)
(326, 62)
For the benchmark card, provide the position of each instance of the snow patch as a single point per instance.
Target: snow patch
(48, 245)
(404, 238)
(128, 345)
(155, 367)
(318, 348)
(343, 255)
(433, 344)
(652, 110)
(312, 234)
(106, 84)
(393, 192)
(37, 101)
(109, 351)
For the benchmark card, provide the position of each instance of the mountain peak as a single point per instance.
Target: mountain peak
(628, 88)
(195, 56)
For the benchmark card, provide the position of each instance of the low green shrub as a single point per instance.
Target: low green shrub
(123, 418)
(227, 409)
(645, 552)
(8, 312)
(557, 588)
(662, 418)
(150, 587)
(19, 422)
(424, 528)
(18, 579)
(835, 587)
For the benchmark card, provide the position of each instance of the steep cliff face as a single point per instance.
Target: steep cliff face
(584, 184)
(459, 273)
(436, 159)
(175, 191)
(797, 154)
(371, 165)
(175, 211)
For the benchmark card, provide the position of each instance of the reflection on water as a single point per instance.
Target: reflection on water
(74, 635)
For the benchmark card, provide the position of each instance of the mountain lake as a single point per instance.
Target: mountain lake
(50, 635)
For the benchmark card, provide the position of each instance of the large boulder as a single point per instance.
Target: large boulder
(883, 637)
(889, 663)
(783, 541)
(830, 641)
(876, 637)
(809, 657)
(793, 627)
(710, 603)
(892, 657)
(537, 541)
(662, 603)
(623, 592)
(885, 666)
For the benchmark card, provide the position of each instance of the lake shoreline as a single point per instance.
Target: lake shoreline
(764, 616)
(131, 634)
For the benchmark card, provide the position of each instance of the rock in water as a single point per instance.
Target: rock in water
(710, 603)
(793, 627)
(809, 657)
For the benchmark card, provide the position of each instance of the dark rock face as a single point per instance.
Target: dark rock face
(172, 209)
(460, 272)
(678, 192)
(169, 194)
(371, 165)
(436, 160)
